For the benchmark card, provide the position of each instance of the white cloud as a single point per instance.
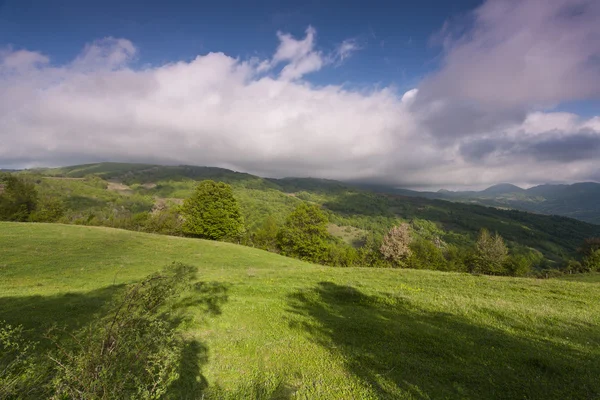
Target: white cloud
(22, 59)
(299, 56)
(346, 49)
(222, 111)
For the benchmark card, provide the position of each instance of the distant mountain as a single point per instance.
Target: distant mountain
(579, 200)
(502, 188)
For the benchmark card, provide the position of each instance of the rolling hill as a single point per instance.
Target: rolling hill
(107, 190)
(288, 329)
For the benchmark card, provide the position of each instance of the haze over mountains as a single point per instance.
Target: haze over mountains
(578, 200)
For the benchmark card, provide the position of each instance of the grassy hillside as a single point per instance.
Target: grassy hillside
(134, 188)
(289, 329)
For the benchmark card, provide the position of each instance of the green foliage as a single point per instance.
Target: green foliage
(212, 212)
(324, 333)
(165, 221)
(17, 362)
(18, 198)
(48, 209)
(265, 237)
(591, 262)
(304, 234)
(90, 199)
(490, 254)
(426, 255)
(133, 352)
(590, 251)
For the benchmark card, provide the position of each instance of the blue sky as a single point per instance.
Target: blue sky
(394, 36)
(428, 94)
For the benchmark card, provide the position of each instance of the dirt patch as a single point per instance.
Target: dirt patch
(62, 178)
(149, 185)
(119, 187)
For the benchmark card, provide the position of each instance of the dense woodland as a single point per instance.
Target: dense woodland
(316, 220)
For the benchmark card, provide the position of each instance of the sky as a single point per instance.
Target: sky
(426, 95)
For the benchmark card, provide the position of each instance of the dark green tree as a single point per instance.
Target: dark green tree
(424, 254)
(591, 254)
(304, 234)
(265, 237)
(212, 212)
(18, 198)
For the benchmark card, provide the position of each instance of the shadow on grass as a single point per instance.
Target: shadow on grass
(399, 350)
(71, 312)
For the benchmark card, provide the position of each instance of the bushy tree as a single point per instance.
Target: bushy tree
(212, 212)
(304, 234)
(265, 237)
(396, 244)
(426, 255)
(591, 254)
(490, 254)
(48, 209)
(18, 198)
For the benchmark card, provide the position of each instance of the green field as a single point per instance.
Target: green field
(289, 329)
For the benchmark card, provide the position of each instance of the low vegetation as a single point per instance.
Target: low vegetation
(256, 325)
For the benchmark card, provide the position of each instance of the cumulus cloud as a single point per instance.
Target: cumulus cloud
(264, 117)
(515, 56)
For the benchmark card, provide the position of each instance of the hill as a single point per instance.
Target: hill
(579, 200)
(289, 329)
(110, 193)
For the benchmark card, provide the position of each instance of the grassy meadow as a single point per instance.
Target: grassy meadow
(277, 328)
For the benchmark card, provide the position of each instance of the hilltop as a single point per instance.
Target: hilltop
(289, 329)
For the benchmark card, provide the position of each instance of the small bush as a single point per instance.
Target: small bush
(17, 367)
(133, 353)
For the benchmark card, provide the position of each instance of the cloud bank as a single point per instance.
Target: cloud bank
(482, 118)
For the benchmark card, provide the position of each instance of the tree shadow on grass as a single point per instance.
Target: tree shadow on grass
(71, 312)
(401, 351)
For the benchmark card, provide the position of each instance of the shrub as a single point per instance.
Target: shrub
(48, 209)
(518, 265)
(265, 237)
(18, 198)
(17, 368)
(591, 254)
(426, 255)
(133, 353)
(212, 212)
(166, 221)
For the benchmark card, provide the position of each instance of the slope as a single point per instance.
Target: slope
(289, 329)
(370, 212)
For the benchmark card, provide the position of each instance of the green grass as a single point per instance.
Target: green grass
(290, 329)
